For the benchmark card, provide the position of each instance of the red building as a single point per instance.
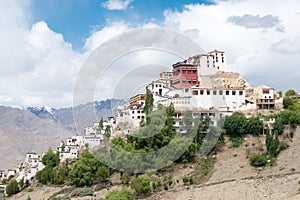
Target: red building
(184, 75)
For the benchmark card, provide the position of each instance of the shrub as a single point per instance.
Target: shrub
(4, 181)
(185, 179)
(99, 186)
(165, 186)
(124, 194)
(283, 145)
(125, 178)
(170, 182)
(81, 192)
(141, 185)
(259, 160)
(158, 184)
(154, 186)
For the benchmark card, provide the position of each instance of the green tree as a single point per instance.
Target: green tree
(278, 125)
(22, 183)
(202, 126)
(124, 194)
(148, 106)
(50, 159)
(272, 143)
(254, 126)
(290, 92)
(83, 170)
(100, 126)
(12, 188)
(287, 102)
(234, 125)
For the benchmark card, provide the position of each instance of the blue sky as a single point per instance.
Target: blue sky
(45, 43)
(76, 19)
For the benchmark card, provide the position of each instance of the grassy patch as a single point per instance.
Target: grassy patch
(236, 141)
(202, 171)
(283, 145)
(261, 160)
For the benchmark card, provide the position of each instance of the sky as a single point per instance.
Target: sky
(44, 44)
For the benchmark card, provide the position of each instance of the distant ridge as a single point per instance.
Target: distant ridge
(38, 128)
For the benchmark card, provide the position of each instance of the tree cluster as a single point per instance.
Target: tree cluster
(237, 125)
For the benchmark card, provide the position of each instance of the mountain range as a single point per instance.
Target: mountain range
(36, 129)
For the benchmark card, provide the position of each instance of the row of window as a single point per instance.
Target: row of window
(138, 111)
(221, 92)
(181, 102)
(189, 71)
(139, 117)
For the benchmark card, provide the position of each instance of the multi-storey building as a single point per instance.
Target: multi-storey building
(267, 100)
(185, 75)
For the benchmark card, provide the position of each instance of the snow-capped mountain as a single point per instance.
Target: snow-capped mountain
(43, 111)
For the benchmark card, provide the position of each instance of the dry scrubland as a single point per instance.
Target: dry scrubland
(231, 178)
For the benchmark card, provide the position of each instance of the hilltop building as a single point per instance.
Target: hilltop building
(200, 84)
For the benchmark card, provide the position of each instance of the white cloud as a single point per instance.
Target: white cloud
(116, 4)
(37, 66)
(100, 36)
(259, 51)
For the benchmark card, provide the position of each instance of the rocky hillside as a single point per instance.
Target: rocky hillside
(37, 129)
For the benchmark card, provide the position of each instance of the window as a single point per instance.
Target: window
(133, 112)
(221, 92)
(215, 92)
(233, 92)
(195, 92)
(138, 111)
(186, 90)
(208, 92)
(227, 92)
(241, 93)
(201, 92)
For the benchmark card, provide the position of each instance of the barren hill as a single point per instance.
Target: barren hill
(37, 129)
